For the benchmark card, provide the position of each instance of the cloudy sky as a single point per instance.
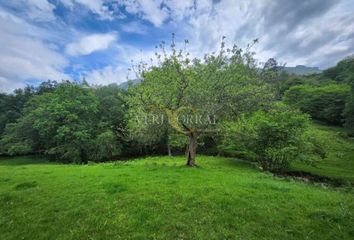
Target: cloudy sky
(70, 39)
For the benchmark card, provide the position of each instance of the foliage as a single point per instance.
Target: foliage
(105, 147)
(343, 72)
(18, 139)
(11, 105)
(220, 86)
(275, 138)
(324, 103)
(63, 123)
(349, 109)
(111, 106)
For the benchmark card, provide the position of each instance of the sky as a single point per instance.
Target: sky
(98, 39)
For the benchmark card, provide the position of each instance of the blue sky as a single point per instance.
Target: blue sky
(97, 39)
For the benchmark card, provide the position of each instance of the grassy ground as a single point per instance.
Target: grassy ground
(339, 163)
(160, 198)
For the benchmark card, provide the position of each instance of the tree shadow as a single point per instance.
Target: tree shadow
(23, 160)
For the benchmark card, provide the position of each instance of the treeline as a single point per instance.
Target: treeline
(257, 112)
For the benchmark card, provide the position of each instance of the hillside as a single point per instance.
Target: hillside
(302, 70)
(160, 198)
(338, 165)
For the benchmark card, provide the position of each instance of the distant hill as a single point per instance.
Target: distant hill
(302, 70)
(125, 85)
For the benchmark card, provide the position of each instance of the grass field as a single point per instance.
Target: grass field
(339, 162)
(160, 198)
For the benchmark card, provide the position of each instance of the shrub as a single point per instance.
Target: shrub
(274, 138)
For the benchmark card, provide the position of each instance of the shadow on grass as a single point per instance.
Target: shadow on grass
(26, 185)
(239, 163)
(23, 160)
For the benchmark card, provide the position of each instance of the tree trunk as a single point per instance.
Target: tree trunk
(168, 144)
(169, 150)
(191, 149)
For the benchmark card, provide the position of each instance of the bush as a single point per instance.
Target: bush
(325, 103)
(274, 139)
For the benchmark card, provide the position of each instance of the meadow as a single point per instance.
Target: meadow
(161, 198)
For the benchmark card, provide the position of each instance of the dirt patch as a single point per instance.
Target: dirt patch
(313, 178)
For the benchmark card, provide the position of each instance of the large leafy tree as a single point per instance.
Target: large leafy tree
(63, 123)
(193, 95)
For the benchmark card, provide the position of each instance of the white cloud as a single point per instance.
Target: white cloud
(91, 43)
(293, 32)
(37, 10)
(96, 6)
(107, 75)
(134, 27)
(26, 56)
(150, 10)
(313, 32)
(290, 31)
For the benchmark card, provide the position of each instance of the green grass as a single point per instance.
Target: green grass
(160, 198)
(339, 162)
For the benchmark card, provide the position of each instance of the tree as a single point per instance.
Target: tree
(192, 95)
(61, 124)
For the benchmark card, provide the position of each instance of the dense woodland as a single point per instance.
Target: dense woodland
(262, 113)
